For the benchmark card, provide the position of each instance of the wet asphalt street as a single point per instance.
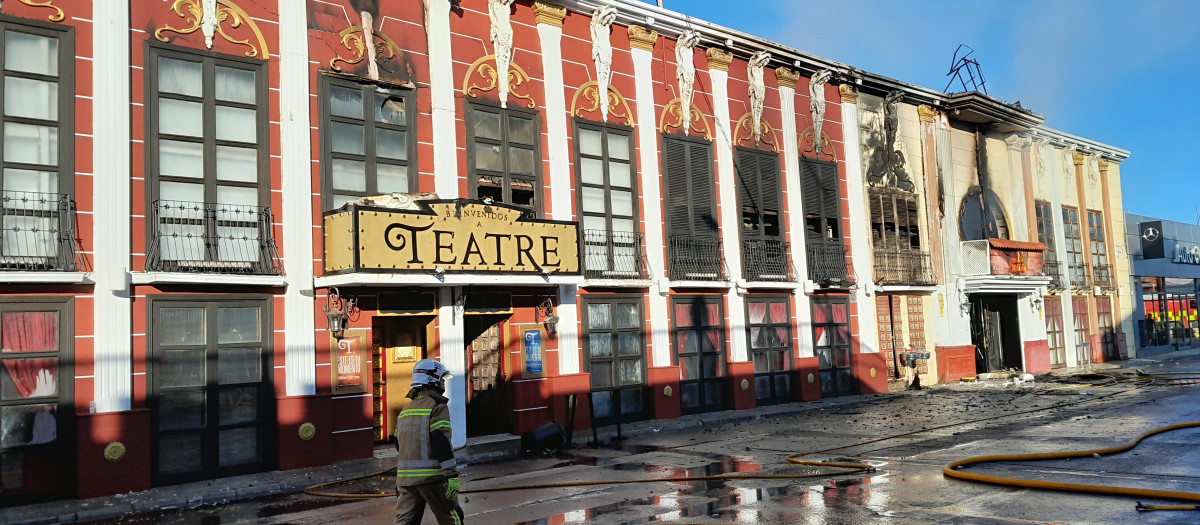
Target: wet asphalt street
(907, 487)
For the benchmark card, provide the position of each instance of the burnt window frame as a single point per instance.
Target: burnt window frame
(615, 358)
(757, 191)
(367, 89)
(881, 200)
(473, 172)
(1045, 225)
(65, 124)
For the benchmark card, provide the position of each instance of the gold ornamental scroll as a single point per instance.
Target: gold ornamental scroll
(454, 236)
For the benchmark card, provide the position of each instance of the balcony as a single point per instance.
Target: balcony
(766, 260)
(692, 258)
(1102, 276)
(903, 267)
(1053, 270)
(1080, 280)
(37, 233)
(827, 264)
(1002, 266)
(614, 255)
(202, 237)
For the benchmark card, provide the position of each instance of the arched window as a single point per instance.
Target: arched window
(982, 216)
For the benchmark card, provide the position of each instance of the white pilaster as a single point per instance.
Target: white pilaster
(728, 211)
(795, 224)
(954, 326)
(111, 206)
(568, 330)
(297, 214)
(652, 218)
(556, 122)
(454, 358)
(559, 155)
(441, 98)
(868, 330)
(1059, 176)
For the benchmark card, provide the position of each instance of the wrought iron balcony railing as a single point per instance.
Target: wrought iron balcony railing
(1077, 271)
(827, 264)
(766, 260)
(908, 267)
(37, 232)
(695, 258)
(1102, 275)
(205, 237)
(614, 255)
(1053, 270)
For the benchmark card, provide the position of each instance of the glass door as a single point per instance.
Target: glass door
(211, 397)
(831, 338)
(614, 342)
(699, 338)
(770, 336)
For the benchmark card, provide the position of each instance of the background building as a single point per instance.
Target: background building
(1165, 269)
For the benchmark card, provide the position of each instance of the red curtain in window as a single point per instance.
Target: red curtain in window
(820, 317)
(30, 332)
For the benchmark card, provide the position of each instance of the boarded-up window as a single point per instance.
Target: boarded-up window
(895, 222)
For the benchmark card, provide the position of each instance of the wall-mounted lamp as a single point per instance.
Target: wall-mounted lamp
(1036, 301)
(337, 312)
(546, 309)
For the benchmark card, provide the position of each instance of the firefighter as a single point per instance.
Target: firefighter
(425, 467)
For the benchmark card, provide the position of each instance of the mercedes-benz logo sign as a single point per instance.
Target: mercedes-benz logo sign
(1150, 234)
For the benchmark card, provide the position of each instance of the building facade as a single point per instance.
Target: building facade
(599, 203)
(1165, 265)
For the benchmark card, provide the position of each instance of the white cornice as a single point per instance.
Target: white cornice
(45, 277)
(1061, 139)
(206, 279)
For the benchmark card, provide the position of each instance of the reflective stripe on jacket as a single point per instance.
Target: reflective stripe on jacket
(423, 433)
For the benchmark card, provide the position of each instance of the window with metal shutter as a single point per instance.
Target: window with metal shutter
(822, 208)
(758, 193)
(690, 203)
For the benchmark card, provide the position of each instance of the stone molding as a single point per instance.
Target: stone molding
(642, 38)
(548, 13)
(719, 59)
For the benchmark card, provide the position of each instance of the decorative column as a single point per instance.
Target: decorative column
(641, 47)
(731, 243)
(549, 19)
(441, 98)
(1057, 187)
(868, 330)
(445, 168)
(454, 357)
(928, 118)
(1022, 143)
(795, 208)
(297, 215)
(112, 312)
(1080, 161)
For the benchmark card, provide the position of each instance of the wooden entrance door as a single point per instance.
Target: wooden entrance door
(831, 339)
(487, 403)
(399, 343)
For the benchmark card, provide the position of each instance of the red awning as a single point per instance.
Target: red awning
(1005, 244)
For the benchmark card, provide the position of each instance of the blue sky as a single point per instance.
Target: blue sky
(1118, 72)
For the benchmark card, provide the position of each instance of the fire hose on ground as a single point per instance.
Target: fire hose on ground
(949, 470)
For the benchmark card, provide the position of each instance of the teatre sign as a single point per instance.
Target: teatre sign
(451, 235)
